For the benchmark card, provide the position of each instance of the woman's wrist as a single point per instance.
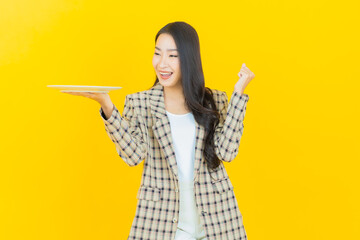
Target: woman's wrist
(107, 108)
(106, 104)
(239, 90)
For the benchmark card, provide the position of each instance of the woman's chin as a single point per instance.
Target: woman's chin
(167, 82)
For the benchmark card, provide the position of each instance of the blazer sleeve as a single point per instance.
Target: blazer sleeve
(230, 128)
(126, 133)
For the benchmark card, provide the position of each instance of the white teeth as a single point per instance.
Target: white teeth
(164, 73)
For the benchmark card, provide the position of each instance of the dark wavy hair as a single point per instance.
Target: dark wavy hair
(198, 98)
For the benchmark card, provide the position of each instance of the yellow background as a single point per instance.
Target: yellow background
(297, 172)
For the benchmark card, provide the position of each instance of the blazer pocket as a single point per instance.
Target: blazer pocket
(222, 185)
(149, 193)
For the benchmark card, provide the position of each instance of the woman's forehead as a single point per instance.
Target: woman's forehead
(165, 42)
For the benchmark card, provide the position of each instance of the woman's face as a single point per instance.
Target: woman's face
(166, 60)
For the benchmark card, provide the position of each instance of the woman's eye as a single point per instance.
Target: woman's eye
(169, 55)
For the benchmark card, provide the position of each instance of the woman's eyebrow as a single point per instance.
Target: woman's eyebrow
(168, 49)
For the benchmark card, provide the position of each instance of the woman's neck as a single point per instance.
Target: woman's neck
(174, 94)
(175, 100)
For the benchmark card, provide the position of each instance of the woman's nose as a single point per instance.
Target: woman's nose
(163, 61)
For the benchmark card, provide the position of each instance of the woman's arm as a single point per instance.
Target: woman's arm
(126, 133)
(107, 110)
(230, 128)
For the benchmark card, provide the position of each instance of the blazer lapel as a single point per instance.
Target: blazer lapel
(162, 131)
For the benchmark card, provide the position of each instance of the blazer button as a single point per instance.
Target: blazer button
(174, 220)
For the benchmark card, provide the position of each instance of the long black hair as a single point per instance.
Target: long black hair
(198, 98)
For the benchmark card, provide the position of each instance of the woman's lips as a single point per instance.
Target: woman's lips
(166, 76)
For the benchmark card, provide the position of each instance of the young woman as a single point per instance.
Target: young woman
(184, 132)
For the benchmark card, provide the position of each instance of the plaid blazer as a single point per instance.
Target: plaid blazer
(143, 133)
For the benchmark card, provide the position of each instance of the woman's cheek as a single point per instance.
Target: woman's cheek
(154, 62)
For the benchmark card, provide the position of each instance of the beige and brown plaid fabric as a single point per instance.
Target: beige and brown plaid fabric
(143, 133)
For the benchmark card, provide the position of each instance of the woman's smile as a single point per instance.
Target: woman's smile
(165, 75)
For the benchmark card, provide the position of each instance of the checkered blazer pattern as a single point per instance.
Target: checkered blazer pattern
(143, 133)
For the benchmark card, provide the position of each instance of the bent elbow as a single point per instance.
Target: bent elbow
(131, 162)
(228, 154)
(133, 158)
(228, 157)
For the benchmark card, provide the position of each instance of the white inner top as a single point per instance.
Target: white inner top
(183, 136)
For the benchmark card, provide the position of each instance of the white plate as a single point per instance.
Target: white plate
(83, 88)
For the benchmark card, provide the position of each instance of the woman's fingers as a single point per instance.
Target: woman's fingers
(246, 71)
(246, 75)
(98, 97)
(84, 94)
